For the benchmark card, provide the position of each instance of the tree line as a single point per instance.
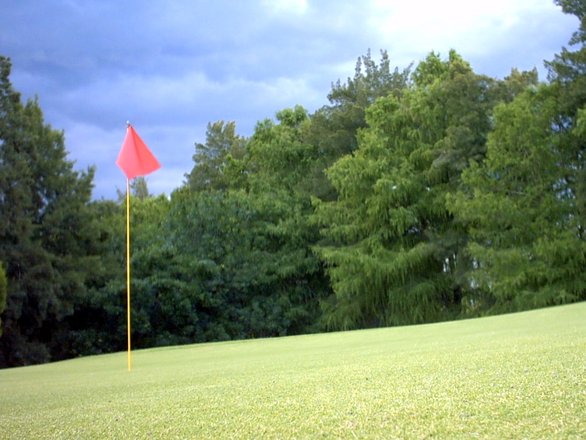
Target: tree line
(416, 195)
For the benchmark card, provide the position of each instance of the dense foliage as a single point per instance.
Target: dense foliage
(47, 230)
(416, 195)
(3, 293)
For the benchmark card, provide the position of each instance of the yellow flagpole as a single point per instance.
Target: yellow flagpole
(128, 270)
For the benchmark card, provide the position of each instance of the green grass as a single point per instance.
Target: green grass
(511, 376)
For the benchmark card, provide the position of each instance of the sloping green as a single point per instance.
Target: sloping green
(511, 376)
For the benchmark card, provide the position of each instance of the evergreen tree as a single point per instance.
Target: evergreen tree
(98, 324)
(567, 73)
(43, 214)
(391, 245)
(521, 213)
(3, 292)
(524, 205)
(333, 128)
(212, 159)
(138, 188)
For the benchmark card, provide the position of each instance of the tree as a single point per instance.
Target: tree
(521, 214)
(138, 188)
(351, 99)
(278, 156)
(333, 128)
(251, 279)
(255, 237)
(98, 323)
(214, 157)
(524, 205)
(567, 73)
(392, 248)
(3, 292)
(43, 213)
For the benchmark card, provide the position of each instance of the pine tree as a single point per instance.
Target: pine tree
(212, 159)
(391, 245)
(3, 292)
(43, 218)
(524, 205)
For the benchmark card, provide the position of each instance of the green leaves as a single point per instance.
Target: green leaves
(521, 211)
(45, 241)
(391, 244)
(216, 160)
(3, 291)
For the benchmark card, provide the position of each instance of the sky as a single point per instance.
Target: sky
(171, 67)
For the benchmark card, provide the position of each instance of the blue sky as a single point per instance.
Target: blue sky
(172, 66)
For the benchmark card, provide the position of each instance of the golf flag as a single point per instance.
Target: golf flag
(135, 159)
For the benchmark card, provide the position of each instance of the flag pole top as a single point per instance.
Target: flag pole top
(128, 123)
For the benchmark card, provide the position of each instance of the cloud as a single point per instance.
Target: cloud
(478, 30)
(172, 67)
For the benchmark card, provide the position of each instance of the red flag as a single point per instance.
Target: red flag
(135, 158)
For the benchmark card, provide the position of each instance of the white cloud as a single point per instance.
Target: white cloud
(409, 29)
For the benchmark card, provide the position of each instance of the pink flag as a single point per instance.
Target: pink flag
(135, 158)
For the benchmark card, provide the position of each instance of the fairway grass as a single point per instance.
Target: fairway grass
(512, 376)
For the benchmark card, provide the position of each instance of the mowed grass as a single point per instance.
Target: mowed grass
(511, 376)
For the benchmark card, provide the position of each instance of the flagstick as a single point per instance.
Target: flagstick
(134, 159)
(128, 269)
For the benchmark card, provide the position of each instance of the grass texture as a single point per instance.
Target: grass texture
(512, 376)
